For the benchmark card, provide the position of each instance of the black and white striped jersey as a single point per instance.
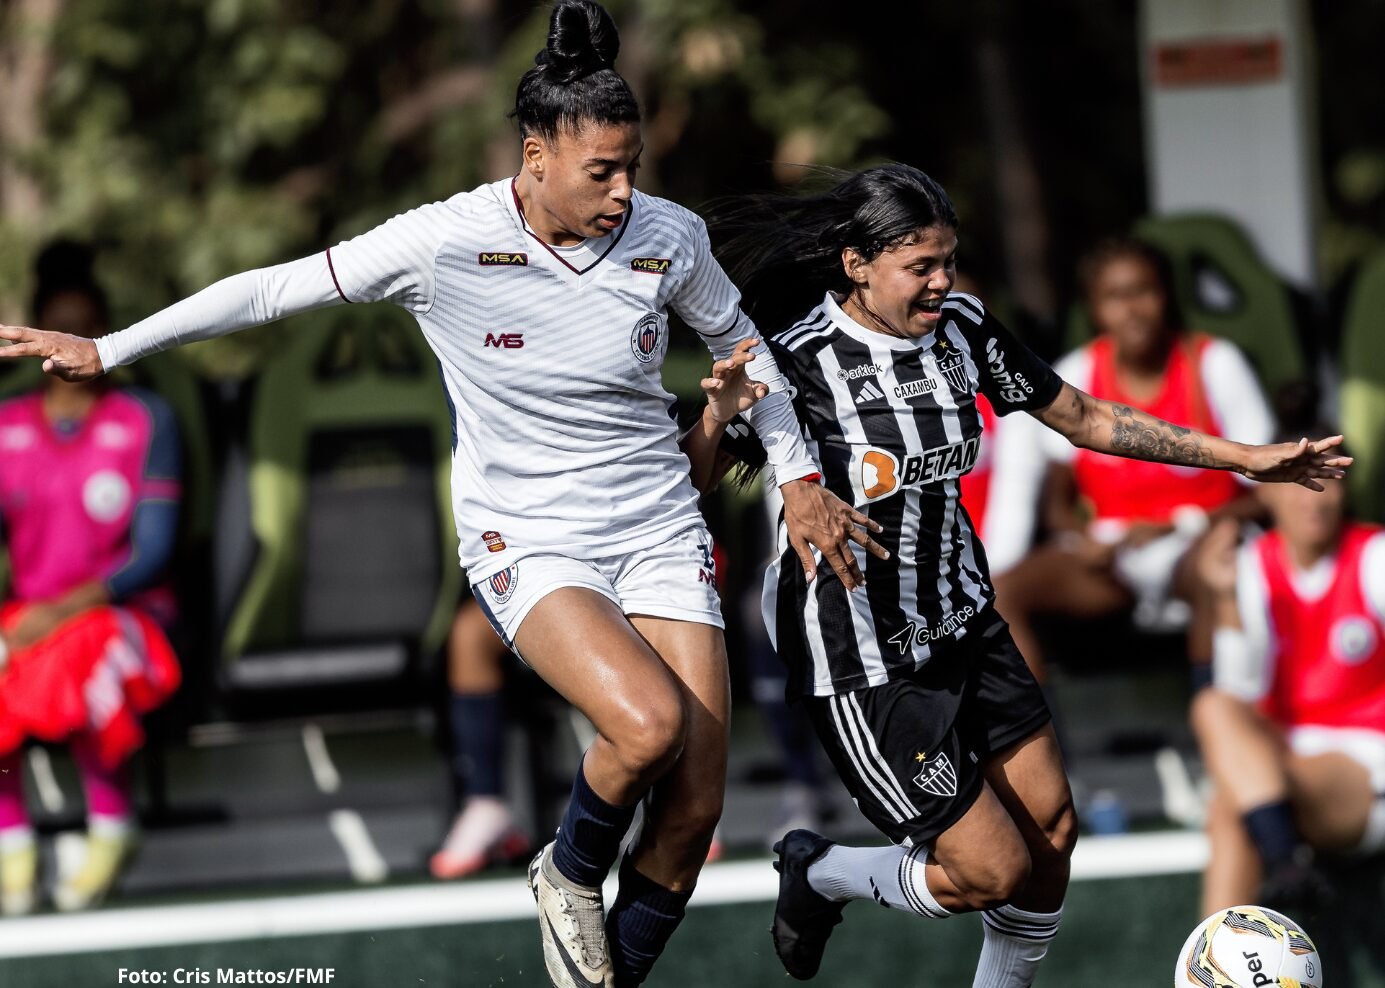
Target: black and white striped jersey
(893, 424)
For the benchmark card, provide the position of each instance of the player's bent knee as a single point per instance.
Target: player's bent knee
(652, 738)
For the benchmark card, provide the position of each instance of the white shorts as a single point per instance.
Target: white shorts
(676, 579)
(1147, 572)
(1360, 744)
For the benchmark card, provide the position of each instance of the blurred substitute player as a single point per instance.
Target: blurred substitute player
(914, 685)
(89, 495)
(1122, 532)
(1293, 727)
(545, 297)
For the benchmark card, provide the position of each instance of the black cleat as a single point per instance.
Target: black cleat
(803, 919)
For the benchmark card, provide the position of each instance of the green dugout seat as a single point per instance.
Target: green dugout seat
(337, 555)
(1224, 288)
(1363, 388)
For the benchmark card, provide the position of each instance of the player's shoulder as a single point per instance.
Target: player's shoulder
(144, 404)
(964, 308)
(815, 326)
(655, 211)
(20, 404)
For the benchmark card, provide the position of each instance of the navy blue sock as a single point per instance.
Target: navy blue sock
(590, 835)
(478, 743)
(639, 924)
(1272, 831)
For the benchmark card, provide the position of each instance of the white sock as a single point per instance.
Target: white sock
(1015, 942)
(1374, 837)
(893, 876)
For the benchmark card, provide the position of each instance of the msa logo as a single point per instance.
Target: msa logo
(857, 372)
(505, 341)
(650, 265)
(1013, 387)
(499, 258)
(883, 473)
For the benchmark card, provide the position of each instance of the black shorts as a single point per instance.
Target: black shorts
(911, 751)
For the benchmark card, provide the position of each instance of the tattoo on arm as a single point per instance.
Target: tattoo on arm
(1144, 437)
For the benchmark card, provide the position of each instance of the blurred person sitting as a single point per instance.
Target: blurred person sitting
(1293, 727)
(483, 832)
(89, 494)
(1120, 529)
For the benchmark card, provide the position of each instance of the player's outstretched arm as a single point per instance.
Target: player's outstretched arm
(729, 392)
(1108, 427)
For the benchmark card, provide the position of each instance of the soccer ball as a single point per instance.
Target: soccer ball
(1248, 947)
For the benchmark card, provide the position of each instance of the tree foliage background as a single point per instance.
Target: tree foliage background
(194, 138)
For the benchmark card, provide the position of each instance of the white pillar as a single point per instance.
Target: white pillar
(1229, 123)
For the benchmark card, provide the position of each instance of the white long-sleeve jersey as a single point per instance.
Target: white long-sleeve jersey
(551, 358)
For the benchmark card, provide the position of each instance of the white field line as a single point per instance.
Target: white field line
(320, 759)
(362, 858)
(487, 901)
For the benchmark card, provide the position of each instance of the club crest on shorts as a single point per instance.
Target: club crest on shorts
(936, 776)
(647, 337)
(502, 585)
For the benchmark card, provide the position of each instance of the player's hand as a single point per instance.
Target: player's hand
(1142, 533)
(815, 516)
(1088, 551)
(72, 358)
(1302, 462)
(1215, 563)
(730, 389)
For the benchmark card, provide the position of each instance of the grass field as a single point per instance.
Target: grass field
(1117, 931)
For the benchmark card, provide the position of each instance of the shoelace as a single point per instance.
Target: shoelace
(586, 926)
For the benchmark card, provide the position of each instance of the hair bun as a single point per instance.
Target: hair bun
(582, 39)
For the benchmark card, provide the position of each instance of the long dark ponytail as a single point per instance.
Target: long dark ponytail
(573, 80)
(785, 251)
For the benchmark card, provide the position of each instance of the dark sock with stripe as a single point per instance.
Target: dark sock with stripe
(1272, 831)
(640, 923)
(478, 743)
(590, 835)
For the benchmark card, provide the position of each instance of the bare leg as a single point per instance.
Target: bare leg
(1053, 581)
(1233, 870)
(1031, 783)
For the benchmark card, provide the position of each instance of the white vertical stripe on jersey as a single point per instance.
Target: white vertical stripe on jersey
(874, 753)
(911, 519)
(812, 633)
(870, 775)
(862, 621)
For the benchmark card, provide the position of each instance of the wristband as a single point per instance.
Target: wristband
(811, 478)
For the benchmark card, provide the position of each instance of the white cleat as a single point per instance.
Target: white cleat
(572, 926)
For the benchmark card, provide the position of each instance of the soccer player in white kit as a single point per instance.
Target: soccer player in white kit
(544, 297)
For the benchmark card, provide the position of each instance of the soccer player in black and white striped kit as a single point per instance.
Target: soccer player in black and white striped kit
(545, 298)
(913, 682)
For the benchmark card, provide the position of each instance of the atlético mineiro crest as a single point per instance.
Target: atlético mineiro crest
(936, 777)
(502, 585)
(647, 338)
(952, 364)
